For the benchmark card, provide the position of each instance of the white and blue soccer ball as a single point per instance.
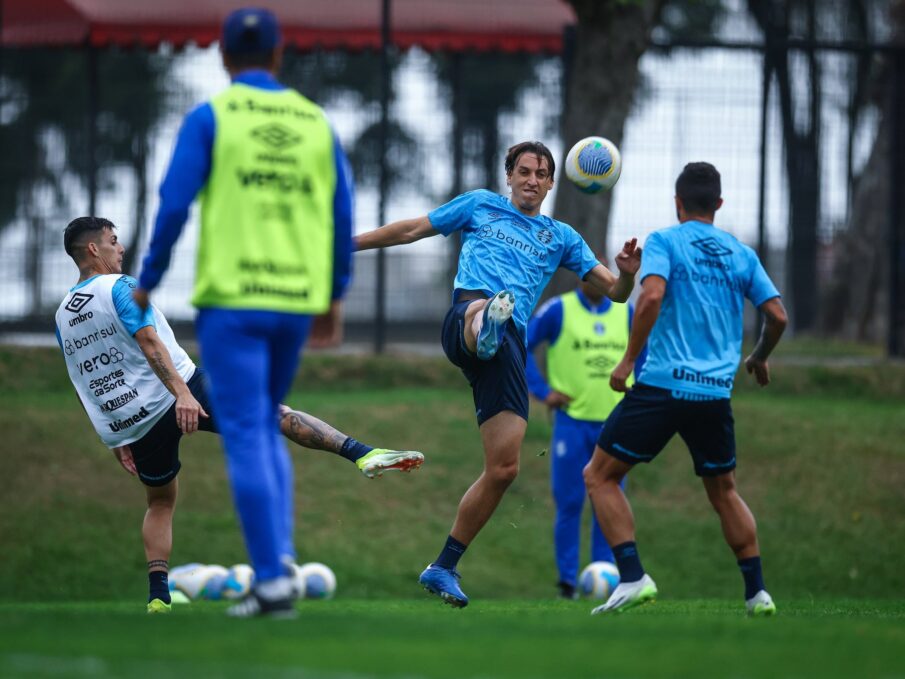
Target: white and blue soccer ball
(598, 580)
(238, 582)
(198, 580)
(594, 163)
(315, 581)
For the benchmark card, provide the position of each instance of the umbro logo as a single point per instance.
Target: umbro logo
(711, 246)
(600, 363)
(276, 136)
(77, 302)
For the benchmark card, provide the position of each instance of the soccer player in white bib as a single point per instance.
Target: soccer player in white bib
(509, 253)
(142, 392)
(694, 282)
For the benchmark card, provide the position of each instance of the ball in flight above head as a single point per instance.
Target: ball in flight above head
(593, 163)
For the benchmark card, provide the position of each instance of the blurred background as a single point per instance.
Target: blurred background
(800, 104)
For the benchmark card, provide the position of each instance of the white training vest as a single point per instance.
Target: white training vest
(121, 393)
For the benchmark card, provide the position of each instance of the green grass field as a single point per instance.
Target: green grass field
(822, 464)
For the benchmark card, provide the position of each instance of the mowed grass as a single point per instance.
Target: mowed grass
(822, 464)
(523, 639)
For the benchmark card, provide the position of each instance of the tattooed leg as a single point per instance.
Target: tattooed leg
(310, 432)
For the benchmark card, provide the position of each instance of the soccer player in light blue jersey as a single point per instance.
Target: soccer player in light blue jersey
(509, 253)
(694, 282)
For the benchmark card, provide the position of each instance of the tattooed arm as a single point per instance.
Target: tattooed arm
(310, 432)
(187, 408)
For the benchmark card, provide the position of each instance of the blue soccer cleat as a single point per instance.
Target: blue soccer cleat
(444, 582)
(497, 313)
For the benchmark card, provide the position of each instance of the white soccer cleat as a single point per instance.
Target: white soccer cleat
(628, 595)
(382, 460)
(497, 313)
(760, 605)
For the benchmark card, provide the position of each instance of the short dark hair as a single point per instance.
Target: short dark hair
(74, 235)
(535, 148)
(699, 188)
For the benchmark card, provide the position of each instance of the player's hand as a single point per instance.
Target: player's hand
(628, 261)
(327, 330)
(759, 368)
(188, 410)
(556, 399)
(123, 454)
(140, 295)
(620, 374)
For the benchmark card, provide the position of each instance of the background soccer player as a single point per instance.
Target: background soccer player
(274, 251)
(694, 281)
(586, 336)
(509, 252)
(142, 392)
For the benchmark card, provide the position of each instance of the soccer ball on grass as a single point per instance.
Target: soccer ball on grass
(598, 580)
(315, 581)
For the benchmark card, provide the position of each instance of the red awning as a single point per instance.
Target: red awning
(454, 25)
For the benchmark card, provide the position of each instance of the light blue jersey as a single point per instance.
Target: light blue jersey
(503, 249)
(696, 343)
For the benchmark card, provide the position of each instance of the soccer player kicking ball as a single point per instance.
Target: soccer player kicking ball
(694, 282)
(509, 252)
(142, 392)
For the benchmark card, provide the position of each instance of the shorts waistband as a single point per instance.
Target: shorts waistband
(461, 295)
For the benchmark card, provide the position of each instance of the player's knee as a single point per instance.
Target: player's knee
(596, 477)
(162, 502)
(503, 473)
(721, 492)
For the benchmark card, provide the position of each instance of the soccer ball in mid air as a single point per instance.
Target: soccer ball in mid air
(594, 163)
(315, 581)
(598, 580)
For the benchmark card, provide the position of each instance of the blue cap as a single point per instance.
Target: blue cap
(250, 30)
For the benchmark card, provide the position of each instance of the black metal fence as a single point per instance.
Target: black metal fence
(807, 131)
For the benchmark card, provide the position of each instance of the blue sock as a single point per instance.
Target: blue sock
(352, 449)
(159, 586)
(628, 562)
(754, 578)
(452, 552)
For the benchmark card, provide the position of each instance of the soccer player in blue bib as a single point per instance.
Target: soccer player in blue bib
(586, 335)
(509, 253)
(694, 281)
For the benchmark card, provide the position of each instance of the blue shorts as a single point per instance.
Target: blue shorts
(648, 417)
(156, 454)
(498, 384)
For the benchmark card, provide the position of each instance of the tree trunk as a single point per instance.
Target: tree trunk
(140, 172)
(602, 78)
(801, 137)
(856, 299)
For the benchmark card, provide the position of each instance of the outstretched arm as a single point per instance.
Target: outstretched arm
(628, 261)
(187, 408)
(775, 320)
(396, 233)
(646, 312)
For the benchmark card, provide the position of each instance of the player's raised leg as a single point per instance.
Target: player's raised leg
(740, 532)
(485, 322)
(603, 478)
(157, 535)
(310, 432)
(502, 437)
